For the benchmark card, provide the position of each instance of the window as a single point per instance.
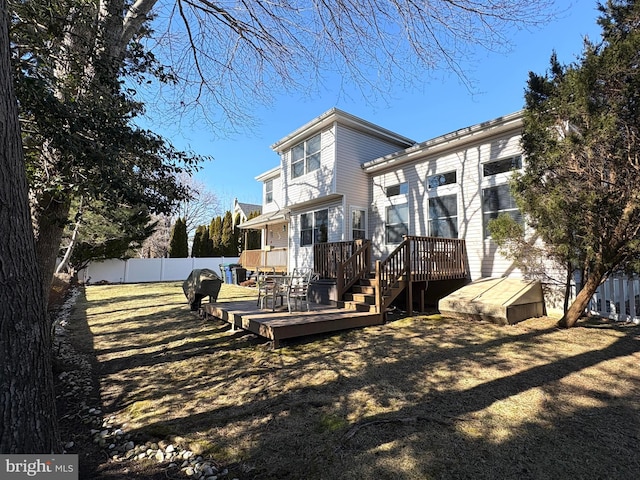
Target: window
(268, 191)
(502, 166)
(435, 181)
(358, 231)
(443, 216)
(400, 189)
(314, 227)
(397, 223)
(305, 157)
(497, 200)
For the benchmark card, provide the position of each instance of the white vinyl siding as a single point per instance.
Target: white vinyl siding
(317, 183)
(427, 179)
(276, 194)
(353, 148)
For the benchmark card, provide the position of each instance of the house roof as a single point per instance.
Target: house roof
(444, 142)
(272, 173)
(247, 208)
(266, 219)
(338, 116)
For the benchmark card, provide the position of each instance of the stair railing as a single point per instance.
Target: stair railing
(391, 270)
(357, 266)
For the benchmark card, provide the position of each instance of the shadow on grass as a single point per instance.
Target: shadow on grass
(436, 402)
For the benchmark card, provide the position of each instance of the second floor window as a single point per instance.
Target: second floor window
(268, 191)
(314, 227)
(502, 166)
(305, 157)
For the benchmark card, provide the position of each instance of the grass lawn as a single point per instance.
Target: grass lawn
(422, 397)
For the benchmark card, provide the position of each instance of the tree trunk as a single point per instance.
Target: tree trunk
(28, 422)
(577, 308)
(52, 213)
(72, 242)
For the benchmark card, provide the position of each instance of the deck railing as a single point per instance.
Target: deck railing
(275, 257)
(327, 256)
(421, 259)
(357, 266)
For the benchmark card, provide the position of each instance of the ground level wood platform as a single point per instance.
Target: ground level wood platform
(280, 324)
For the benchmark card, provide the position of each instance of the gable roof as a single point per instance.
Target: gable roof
(335, 115)
(247, 208)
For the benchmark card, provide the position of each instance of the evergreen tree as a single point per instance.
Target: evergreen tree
(215, 236)
(207, 247)
(226, 237)
(579, 188)
(197, 247)
(178, 244)
(254, 237)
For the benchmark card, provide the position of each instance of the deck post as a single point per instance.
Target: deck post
(408, 274)
(378, 289)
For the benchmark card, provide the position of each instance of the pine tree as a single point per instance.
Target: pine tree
(253, 236)
(581, 136)
(226, 237)
(197, 247)
(178, 244)
(215, 236)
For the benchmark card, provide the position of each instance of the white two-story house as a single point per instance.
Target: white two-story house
(343, 179)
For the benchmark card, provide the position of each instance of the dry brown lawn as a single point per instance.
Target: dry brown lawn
(422, 397)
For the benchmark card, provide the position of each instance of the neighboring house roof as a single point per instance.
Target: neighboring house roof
(246, 208)
(266, 219)
(459, 137)
(344, 118)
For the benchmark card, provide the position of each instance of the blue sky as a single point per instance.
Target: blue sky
(438, 107)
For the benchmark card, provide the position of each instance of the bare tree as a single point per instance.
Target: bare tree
(232, 55)
(200, 208)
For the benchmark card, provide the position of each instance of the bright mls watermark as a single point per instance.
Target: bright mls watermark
(50, 467)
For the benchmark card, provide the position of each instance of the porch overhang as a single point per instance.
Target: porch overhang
(261, 221)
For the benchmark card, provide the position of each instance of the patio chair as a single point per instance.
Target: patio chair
(270, 286)
(298, 289)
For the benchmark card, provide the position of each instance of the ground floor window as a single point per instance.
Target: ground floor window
(314, 227)
(358, 225)
(397, 223)
(495, 201)
(443, 216)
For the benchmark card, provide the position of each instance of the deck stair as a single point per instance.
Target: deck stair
(362, 295)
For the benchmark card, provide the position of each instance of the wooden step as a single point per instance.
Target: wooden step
(367, 298)
(357, 306)
(368, 289)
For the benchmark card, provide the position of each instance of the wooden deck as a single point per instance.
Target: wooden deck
(281, 324)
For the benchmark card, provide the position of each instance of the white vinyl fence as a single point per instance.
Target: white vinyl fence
(618, 298)
(139, 270)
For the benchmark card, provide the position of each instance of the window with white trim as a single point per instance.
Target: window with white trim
(314, 227)
(358, 224)
(441, 179)
(502, 166)
(398, 189)
(397, 223)
(443, 216)
(498, 200)
(305, 157)
(268, 191)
